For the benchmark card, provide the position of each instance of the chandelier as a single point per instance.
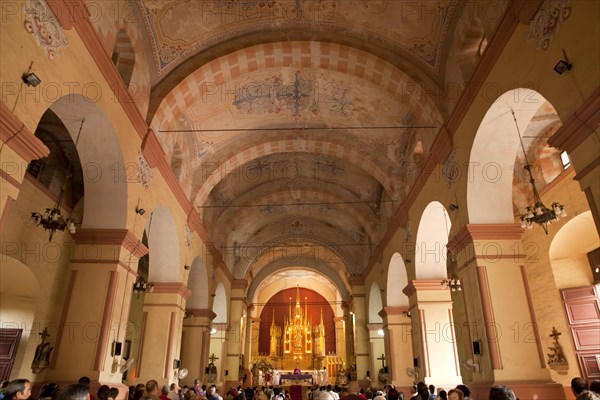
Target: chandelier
(52, 220)
(454, 284)
(537, 212)
(142, 286)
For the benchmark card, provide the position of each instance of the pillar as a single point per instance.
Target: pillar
(434, 341)
(398, 344)
(96, 308)
(348, 339)
(361, 334)
(234, 335)
(499, 313)
(376, 350)
(195, 340)
(162, 324)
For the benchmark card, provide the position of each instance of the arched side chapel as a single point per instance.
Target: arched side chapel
(336, 192)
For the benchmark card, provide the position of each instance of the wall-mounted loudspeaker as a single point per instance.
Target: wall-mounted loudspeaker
(117, 348)
(477, 347)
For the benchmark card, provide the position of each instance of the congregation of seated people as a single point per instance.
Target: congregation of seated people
(21, 389)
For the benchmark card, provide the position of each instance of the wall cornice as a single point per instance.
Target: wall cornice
(120, 237)
(16, 136)
(579, 126)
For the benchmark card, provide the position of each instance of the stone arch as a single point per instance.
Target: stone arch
(397, 279)
(198, 284)
(238, 161)
(105, 189)
(375, 304)
(492, 158)
(568, 251)
(163, 245)
(307, 263)
(123, 56)
(432, 238)
(220, 305)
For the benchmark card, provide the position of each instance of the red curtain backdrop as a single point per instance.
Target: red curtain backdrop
(280, 302)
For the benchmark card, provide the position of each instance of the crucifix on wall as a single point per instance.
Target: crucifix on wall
(382, 358)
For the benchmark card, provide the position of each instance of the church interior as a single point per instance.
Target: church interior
(349, 191)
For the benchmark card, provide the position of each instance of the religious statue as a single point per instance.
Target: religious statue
(41, 359)
(211, 369)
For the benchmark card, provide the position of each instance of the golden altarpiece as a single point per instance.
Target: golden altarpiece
(299, 344)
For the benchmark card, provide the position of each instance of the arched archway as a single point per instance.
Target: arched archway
(163, 243)
(432, 238)
(220, 305)
(198, 284)
(397, 280)
(569, 249)
(375, 304)
(492, 159)
(103, 166)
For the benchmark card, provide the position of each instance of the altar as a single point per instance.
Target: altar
(296, 378)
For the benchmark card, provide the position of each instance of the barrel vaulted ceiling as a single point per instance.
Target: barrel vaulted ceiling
(302, 124)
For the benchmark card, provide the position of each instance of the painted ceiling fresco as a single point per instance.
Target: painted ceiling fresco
(179, 29)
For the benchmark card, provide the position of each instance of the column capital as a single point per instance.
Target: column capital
(239, 284)
(172, 287)
(374, 326)
(201, 312)
(390, 311)
(472, 232)
(120, 237)
(423, 284)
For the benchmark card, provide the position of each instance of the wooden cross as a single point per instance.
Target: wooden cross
(382, 358)
(555, 334)
(44, 334)
(212, 358)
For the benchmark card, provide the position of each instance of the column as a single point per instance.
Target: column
(234, 335)
(195, 343)
(499, 313)
(398, 344)
(96, 309)
(340, 336)
(162, 324)
(434, 340)
(348, 335)
(253, 339)
(376, 350)
(361, 334)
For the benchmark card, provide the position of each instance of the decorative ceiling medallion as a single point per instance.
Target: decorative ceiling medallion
(144, 171)
(41, 23)
(273, 96)
(547, 20)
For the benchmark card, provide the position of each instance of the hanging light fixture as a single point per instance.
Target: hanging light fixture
(141, 285)
(537, 212)
(454, 284)
(52, 219)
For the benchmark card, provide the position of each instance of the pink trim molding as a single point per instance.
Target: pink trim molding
(120, 237)
(16, 136)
